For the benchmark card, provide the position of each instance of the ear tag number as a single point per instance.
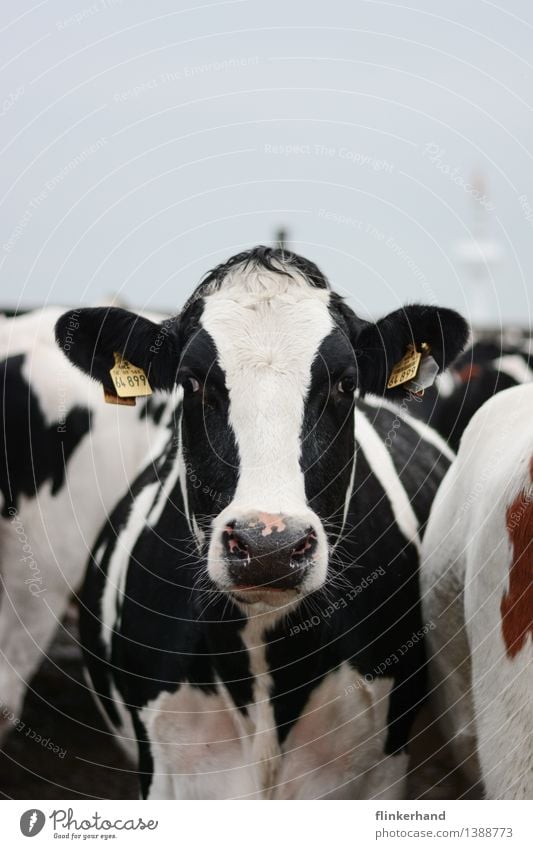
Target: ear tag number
(130, 382)
(406, 369)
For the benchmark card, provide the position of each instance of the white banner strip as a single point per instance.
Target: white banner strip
(264, 825)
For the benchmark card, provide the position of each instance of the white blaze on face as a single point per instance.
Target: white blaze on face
(267, 328)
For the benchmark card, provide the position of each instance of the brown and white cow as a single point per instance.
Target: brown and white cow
(477, 588)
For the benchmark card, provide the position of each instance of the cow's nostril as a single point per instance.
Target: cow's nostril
(234, 545)
(305, 547)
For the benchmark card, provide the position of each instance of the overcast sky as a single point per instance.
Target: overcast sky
(141, 143)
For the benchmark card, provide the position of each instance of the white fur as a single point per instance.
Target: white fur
(267, 329)
(485, 696)
(383, 467)
(203, 747)
(445, 384)
(515, 367)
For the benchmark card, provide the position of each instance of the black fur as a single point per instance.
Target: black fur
(381, 345)
(378, 346)
(452, 414)
(32, 452)
(104, 330)
(271, 259)
(477, 378)
(166, 633)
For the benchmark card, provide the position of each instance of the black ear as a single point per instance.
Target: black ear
(381, 345)
(90, 337)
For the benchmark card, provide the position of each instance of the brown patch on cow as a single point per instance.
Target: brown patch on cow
(271, 522)
(517, 604)
(468, 372)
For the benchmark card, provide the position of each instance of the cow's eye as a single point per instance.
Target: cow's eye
(192, 385)
(346, 385)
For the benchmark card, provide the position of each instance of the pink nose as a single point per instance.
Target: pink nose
(267, 551)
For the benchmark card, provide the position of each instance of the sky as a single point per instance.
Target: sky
(142, 143)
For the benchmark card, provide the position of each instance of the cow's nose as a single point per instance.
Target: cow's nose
(268, 552)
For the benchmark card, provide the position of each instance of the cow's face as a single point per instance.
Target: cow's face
(250, 398)
(269, 360)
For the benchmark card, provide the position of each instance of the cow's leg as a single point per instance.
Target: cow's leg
(387, 779)
(43, 552)
(442, 578)
(336, 748)
(195, 748)
(450, 671)
(29, 616)
(161, 784)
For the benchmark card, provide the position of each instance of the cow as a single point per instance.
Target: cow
(65, 459)
(250, 617)
(485, 368)
(477, 587)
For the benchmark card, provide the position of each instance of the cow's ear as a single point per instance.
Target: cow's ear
(381, 346)
(91, 337)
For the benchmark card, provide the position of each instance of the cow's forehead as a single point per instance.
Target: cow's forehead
(267, 321)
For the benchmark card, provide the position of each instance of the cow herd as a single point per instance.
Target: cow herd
(277, 556)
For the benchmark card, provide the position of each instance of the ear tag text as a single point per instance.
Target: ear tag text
(406, 369)
(130, 382)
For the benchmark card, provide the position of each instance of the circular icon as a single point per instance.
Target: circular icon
(31, 822)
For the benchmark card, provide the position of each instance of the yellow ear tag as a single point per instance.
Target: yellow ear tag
(406, 369)
(130, 381)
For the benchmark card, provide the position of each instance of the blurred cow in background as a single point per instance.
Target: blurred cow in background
(65, 458)
(488, 366)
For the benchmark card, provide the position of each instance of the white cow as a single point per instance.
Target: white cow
(477, 589)
(65, 459)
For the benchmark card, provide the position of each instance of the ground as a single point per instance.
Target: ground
(87, 763)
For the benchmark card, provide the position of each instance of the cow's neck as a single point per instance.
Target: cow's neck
(239, 650)
(268, 674)
(260, 723)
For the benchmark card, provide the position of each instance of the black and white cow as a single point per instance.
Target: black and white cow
(484, 369)
(65, 459)
(251, 615)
